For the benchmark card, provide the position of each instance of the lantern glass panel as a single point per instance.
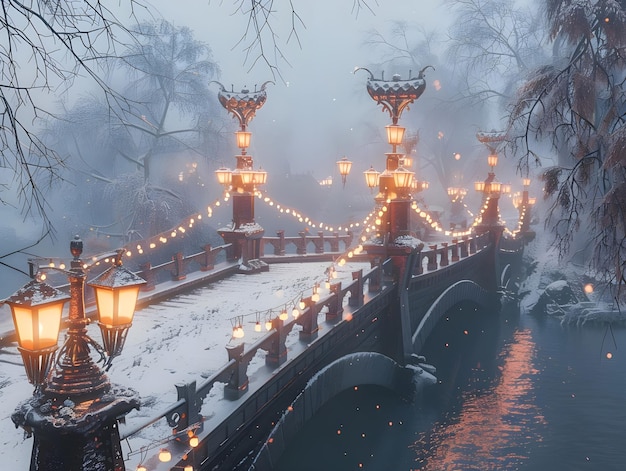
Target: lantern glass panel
(402, 178)
(243, 139)
(37, 326)
(247, 176)
(344, 166)
(116, 307)
(371, 177)
(224, 176)
(395, 134)
(260, 177)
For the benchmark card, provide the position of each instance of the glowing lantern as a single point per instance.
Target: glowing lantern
(283, 316)
(479, 186)
(344, 168)
(395, 134)
(36, 309)
(243, 139)
(371, 177)
(247, 176)
(224, 176)
(116, 291)
(492, 160)
(194, 441)
(260, 177)
(402, 178)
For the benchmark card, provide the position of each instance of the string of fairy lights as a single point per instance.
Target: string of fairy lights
(294, 307)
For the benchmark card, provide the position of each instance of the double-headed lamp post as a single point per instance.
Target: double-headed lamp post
(244, 234)
(396, 182)
(74, 411)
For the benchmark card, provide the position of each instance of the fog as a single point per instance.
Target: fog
(317, 111)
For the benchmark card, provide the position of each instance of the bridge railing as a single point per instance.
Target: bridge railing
(185, 413)
(281, 244)
(442, 254)
(181, 265)
(234, 373)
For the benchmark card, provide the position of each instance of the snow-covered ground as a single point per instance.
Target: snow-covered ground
(601, 308)
(176, 341)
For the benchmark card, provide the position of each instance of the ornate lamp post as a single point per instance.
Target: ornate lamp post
(395, 183)
(457, 217)
(525, 204)
(490, 188)
(244, 233)
(74, 411)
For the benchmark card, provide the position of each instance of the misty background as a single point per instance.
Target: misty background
(317, 111)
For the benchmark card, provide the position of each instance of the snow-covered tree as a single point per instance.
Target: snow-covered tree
(45, 46)
(493, 44)
(171, 115)
(577, 102)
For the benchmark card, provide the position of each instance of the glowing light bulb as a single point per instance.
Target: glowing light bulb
(165, 455)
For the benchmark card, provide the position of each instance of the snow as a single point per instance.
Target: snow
(599, 309)
(179, 340)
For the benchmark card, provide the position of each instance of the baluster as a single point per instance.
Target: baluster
(455, 250)
(432, 258)
(208, 262)
(301, 244)
(178, 273)
(444, 255)
(148, 275)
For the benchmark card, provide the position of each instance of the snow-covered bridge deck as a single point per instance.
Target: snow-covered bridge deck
(178, 340)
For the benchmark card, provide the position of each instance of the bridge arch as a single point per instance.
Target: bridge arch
(362, 368)
(464, 290)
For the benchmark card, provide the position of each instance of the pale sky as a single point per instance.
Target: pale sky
(318, 113)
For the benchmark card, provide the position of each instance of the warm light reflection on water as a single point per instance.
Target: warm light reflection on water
(489, 431)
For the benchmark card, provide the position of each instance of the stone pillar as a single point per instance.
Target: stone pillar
(444, 255)
(277, 351)
(335, 307)
(356, 292)
(454, 248)
(237, 385)
(308, 321)
(432, 258)
(148, 275)
(209, 259)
